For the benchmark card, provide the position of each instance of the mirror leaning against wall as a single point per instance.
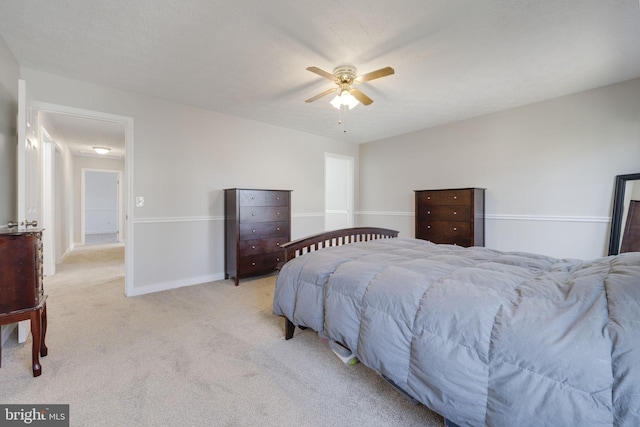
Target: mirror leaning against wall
(625, 219)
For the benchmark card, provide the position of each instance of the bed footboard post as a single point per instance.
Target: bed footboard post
(289, 327)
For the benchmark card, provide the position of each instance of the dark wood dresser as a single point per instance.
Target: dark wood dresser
(257, 223)
(454, 216)
(21, 292)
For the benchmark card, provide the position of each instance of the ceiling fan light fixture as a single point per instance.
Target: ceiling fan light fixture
(345, 98)
(101, 150)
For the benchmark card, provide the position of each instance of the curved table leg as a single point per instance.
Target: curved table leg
(36, 339)
(43, 347)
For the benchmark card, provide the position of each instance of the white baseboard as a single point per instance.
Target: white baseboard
(165, 286)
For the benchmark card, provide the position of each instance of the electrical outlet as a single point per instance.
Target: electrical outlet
(139, 201)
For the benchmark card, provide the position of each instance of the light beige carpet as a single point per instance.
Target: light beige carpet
(206, 355)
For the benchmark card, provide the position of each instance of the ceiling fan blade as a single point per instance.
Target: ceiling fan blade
(322, 73)
(320, 95)
(382, 72)
(364, 99)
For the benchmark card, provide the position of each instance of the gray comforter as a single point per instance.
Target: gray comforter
(479, 336)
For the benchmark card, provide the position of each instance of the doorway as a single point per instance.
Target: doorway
(338, 200)
(125, 227)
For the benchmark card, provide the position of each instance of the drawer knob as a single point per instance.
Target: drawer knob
(277, 213)
(455, 213)
(253, 231)
(278, 228)
(253, 247)
(277, 243)
(428, 197)
(455, 228)
(455, 197)
(253, 263)
(253, 214)
(428, 212)
(428, 226)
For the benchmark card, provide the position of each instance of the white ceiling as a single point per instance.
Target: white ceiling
(81, 134)
(452, 59)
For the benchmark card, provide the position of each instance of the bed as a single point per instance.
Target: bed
(479, 336)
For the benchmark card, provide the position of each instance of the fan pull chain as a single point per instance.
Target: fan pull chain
(341, 111)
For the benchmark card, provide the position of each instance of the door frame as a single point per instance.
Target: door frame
(127, 179)
(49, 200)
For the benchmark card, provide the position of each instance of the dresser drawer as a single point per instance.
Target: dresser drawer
(264, 214)
(444, 197)
(264, 263)
(260, 246)
(447, 213)
(445, 228)
(449, 240)
(261, 230)
(263, 198)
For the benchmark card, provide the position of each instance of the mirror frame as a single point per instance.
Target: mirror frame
(618, 208)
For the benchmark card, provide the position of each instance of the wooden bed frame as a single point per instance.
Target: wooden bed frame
(330, 238)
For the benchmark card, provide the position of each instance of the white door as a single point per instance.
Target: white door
(29, 174)
(100, 202)
(28, 162)
(338, 205)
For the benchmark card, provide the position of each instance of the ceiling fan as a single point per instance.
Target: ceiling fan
(344, 76)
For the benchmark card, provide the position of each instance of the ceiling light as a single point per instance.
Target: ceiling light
(345, 98)
(101, 150)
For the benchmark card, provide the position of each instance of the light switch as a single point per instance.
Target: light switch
(139, 201)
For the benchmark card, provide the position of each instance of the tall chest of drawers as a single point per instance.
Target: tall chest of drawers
(454, 216)
(257, 223)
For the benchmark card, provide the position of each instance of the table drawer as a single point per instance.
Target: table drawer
(444, 197)
(20, 270)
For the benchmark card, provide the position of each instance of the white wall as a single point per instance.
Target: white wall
(64, 197)
(64, 204)
(9, 73)
(549, 169)
(183, 158)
